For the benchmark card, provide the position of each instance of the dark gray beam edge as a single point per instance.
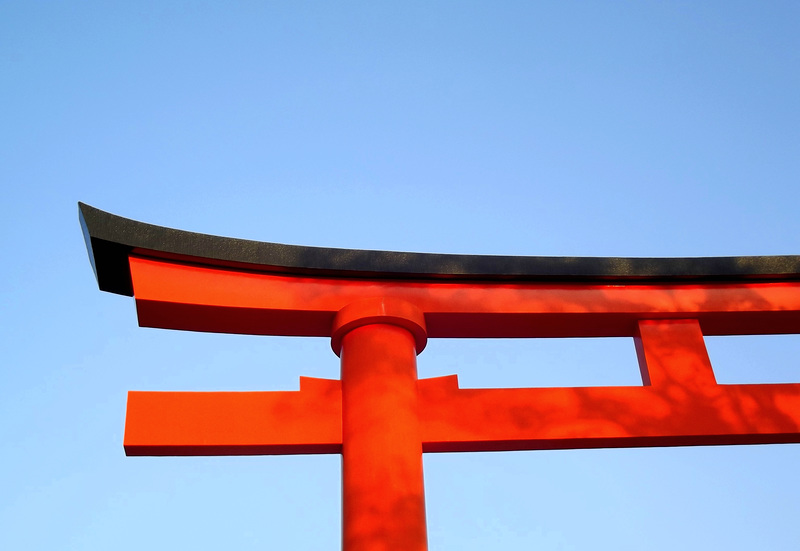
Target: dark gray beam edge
(110, 239)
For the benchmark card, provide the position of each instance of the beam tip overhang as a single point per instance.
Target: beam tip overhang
(110, 239)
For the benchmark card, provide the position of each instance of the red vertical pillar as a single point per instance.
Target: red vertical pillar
(383, 494)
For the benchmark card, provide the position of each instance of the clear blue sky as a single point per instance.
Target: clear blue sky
(526, 128)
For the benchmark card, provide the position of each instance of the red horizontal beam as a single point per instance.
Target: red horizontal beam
(236, 423)
(680, 405)
(456, 419)
(460, 420)
(173, 295)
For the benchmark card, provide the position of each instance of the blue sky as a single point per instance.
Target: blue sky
(526, 128)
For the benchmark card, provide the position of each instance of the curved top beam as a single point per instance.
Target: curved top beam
(110, 239)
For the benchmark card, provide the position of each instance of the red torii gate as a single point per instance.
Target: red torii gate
(379, 309)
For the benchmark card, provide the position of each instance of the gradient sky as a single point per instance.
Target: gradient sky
(523, 128)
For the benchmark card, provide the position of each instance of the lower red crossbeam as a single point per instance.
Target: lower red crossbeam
(679, 405)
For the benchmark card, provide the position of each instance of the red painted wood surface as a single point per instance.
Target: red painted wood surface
(381, 419)
(236, 423)
(200, 298)
(383, 495)
(682, 405)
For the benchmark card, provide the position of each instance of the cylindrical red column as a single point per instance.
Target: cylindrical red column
(383, 494)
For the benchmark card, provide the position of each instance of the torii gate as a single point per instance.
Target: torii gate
(379, 309)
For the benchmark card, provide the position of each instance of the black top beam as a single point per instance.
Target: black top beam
(110, 239)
